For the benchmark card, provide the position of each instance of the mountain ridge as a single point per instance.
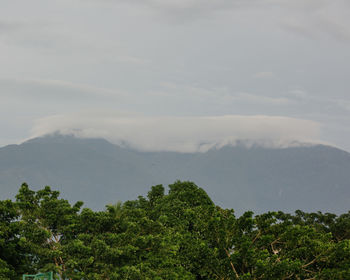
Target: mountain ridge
(94, 170)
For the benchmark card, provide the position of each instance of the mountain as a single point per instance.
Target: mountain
(309, 178)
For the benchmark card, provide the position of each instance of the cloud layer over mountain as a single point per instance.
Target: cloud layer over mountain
(182, 134)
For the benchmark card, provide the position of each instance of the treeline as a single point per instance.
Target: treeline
(178, 235)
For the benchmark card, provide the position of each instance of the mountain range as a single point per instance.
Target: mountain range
(257, 178)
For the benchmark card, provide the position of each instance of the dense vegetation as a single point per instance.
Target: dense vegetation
(179, 235)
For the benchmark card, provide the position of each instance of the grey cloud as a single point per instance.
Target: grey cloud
(218, 57)
(319, 18)
(47, 89)
(132, 59)
(9, 26)
(28, 33)
(258, 99)
(335, 106)
(186, 5)
(317, 28)
(182, 11)
(309, 18)
(344, 103)
(336, 30)
(28, 99)
(221, 95)
(264, 75)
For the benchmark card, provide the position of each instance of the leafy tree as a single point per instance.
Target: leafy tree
(48, 224)
(181, 234)
(14, 257)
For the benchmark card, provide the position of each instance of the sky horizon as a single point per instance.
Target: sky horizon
(175, 73)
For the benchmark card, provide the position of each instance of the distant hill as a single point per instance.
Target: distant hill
(97, 172)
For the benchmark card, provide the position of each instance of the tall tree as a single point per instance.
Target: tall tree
(48, 224)
(14, 254)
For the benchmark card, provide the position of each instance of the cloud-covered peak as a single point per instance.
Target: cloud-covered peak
(183, 134)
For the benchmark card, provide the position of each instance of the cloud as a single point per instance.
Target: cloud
(311, 18)
(183, 5)
(183, 11)
(255, 98)
(220, 96)
(57, 88)
(8, 26)
(298, 93)
(181, 134)
(342, 103)
(315, 18)
(132, 59)
(317, 27)
(264, 75)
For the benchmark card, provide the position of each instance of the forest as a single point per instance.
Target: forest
(173, 233)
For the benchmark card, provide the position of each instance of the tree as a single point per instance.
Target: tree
(48, 225)
(181, 234)
(14, 257)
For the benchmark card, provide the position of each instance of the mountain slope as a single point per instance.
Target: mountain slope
(260, 179)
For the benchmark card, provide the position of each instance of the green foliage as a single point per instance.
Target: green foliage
(178, 235)
(15, 257)
(48, 225)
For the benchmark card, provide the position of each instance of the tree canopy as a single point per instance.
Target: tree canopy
(181, 234)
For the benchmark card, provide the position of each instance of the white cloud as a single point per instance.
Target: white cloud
(182, 134)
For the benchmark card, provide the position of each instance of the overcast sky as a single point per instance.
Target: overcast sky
(175, 74)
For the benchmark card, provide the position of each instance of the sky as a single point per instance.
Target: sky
(180, 75)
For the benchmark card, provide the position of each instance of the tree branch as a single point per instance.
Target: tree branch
(233, 267)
